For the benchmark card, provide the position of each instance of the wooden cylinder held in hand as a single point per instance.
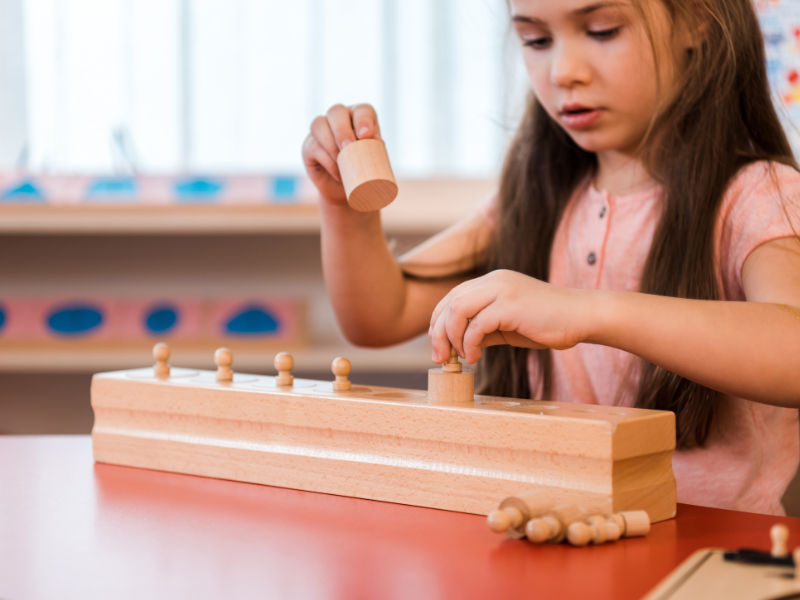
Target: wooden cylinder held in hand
(367, 175)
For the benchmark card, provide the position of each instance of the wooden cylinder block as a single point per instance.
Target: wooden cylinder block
(449, 387)
(528, 506)
(553, 525)
(637, 522)
(367, 175)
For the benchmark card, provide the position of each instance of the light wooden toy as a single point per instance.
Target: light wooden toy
(383, 443)
(284, 363)
(450, 384)
(224, 359)
(633, 523)
(779, 534)
(161, 356)
(552, 526)
(598, 529)
(340, 367)
(367, 175)
(515, 511)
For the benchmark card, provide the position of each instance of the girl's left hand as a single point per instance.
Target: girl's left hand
(507, 307)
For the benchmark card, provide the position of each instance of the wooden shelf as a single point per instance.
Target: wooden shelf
(92, 261)
(422, 206)
(411, 356)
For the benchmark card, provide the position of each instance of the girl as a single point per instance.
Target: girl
(641, 249)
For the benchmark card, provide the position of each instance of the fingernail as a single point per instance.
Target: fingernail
(362, 131)
(344, 143)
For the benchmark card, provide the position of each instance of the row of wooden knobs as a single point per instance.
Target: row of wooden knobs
(535, 517)
(283, 363)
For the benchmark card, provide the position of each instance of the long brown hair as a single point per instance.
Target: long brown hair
(721, 119)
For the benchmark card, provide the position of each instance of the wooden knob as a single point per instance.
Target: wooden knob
(161, 356)
(579, 533)
(453, 365)
(367, 175)
(161, 352)
(779, 535)
(223, 358)
(340, 367)
(540, 530)
(284, 363)
(503, 519)
(597, 526)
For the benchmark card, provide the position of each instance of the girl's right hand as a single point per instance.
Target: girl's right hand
(329, 134)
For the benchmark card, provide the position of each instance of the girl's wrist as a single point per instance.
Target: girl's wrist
(348, 228)
(333, 210)
(601, 315)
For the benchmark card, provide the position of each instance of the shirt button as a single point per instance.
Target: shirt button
(602, 212)
(592, 258)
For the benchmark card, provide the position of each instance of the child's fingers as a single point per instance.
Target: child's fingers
(445, 302)
(321, 130)
(439, 341)
(465, 306)
(479, 327)
(452, 315)
(440, 344)
(365, 121)
(323, 146)
(315, 155)
(341, 124)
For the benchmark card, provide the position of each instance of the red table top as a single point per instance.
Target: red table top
(70, 528)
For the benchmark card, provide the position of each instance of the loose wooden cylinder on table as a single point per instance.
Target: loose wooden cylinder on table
(552, 526)
(523, 508)
(367, 175)
(636, 523)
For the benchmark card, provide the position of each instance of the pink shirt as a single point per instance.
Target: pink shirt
(602, 243)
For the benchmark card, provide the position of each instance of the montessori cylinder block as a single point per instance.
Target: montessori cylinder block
(367, 175)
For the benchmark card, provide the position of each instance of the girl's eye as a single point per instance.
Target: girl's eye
(604, 34)
(538, 43)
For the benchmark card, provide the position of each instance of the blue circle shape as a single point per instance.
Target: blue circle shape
(161, 318)
(252, 320)
(74, 319)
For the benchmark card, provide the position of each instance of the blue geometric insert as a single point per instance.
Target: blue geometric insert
(2, 317)
(74, 319)
(26, 191)
(284, 189)
(252, 320)
(161, 318)
(198, 189)
(118, 188)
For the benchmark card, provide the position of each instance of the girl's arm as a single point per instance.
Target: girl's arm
(746, 349)
(375, 304)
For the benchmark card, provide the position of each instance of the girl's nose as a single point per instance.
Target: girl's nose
(568, 67)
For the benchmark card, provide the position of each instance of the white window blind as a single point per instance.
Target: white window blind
(232, 85)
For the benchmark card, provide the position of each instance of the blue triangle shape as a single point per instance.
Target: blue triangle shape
(25, 191)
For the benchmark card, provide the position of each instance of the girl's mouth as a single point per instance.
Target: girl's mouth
(580, 117)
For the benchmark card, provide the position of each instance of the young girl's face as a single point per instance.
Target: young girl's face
(591, 65)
